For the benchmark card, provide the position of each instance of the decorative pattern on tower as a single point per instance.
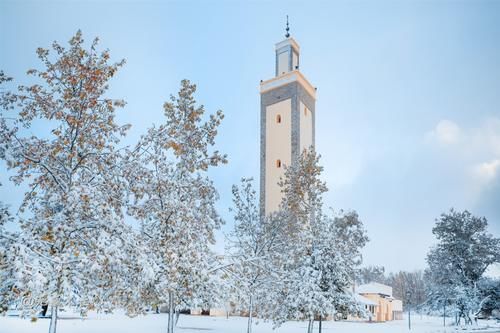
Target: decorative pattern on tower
(287, 120)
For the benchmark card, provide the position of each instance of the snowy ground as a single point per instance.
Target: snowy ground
(153, 323)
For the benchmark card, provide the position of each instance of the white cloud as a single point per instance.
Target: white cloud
(481, 143)
(487, 171)
(446, 132)
(472, 151)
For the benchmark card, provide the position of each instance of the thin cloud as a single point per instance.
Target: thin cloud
(488, 171)
(445, 133)
(474, 150)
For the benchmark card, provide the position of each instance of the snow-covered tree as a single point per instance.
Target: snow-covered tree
(403, 282)
(250, 248)
(73, 248)
(318, 254)
(490, 291)
(174, 200)
(7, 295)
(456, 264)
(350, 237)
(370, 274)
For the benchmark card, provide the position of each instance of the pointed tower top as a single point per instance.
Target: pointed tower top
(287, 35)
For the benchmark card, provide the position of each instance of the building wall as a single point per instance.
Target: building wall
(296, 95)
(397, 309)
(283, 63)
(278, 148)
(212, 312)
(397, 315)
(397, 305)
(295, 61)
(306, 127)
(383, 311)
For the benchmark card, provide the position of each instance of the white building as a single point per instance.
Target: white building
(380, 303)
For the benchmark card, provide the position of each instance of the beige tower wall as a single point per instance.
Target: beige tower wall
(306, 128)
(283, 63)
(278, 147)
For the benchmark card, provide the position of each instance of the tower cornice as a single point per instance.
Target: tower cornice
(287, 78)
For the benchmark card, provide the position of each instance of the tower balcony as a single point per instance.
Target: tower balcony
(287, 78)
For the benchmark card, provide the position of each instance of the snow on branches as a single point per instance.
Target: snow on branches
(73, 248)
(174, 199)
(457, 263)
(299, 262)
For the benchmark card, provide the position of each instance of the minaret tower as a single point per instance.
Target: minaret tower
(287, 118)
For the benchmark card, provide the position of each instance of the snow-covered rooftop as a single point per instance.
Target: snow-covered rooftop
(363, 300)
(374, 288)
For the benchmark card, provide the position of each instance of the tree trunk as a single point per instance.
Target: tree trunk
(444, 315)
(469, 319)
(250, 314)
(53, 319)
(320, 324)
(177, 315)
(311, 325)
(170, 312)
(45, 308)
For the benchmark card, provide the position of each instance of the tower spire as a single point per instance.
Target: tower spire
(287, 35)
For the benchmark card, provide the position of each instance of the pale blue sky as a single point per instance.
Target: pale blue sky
(408, 109)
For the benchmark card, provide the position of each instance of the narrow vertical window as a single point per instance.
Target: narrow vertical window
(278, 163)
(278, 119)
